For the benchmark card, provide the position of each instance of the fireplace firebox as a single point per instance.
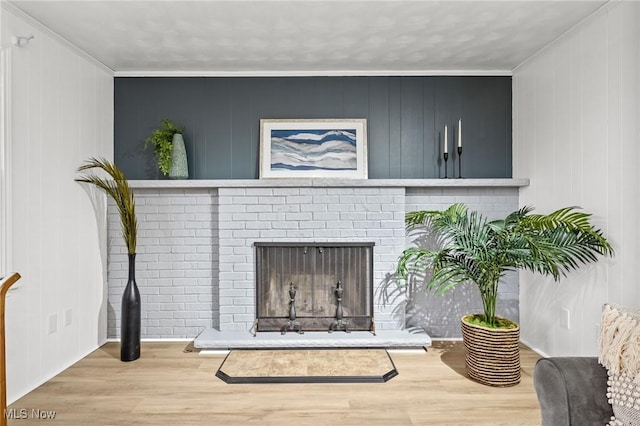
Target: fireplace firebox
(314, 287)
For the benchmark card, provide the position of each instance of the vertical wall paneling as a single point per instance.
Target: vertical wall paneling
(430, 151)
(242, 154)
(395, 129)
(61, 114)
(576, 136)
(444, 118)
(6, 263)
(379, 129)
(411, 120)
(405, 117)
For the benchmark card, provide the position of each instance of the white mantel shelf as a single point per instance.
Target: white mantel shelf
(328, 183)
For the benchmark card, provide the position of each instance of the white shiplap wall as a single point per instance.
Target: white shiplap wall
(576, 136)
(61, 109)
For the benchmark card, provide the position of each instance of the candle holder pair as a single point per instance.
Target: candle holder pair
(446, 158)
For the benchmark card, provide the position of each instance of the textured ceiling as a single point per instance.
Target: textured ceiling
(309, 36)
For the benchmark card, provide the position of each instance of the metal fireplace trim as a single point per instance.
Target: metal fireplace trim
(359, 322)
(313, 244)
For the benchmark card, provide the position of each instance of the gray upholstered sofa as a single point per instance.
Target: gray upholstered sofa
(572, 391)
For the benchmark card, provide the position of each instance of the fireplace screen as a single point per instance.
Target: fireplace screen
(314, 286)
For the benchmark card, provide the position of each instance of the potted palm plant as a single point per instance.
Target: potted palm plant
(118, 188)
(472, 248)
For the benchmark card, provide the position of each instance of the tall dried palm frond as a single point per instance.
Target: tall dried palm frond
(118, 188)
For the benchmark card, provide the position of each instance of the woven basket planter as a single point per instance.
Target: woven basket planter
(492, 355)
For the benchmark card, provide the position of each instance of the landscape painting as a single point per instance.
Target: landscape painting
(313, 148)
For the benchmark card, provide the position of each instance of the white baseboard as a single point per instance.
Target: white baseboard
(533, 348)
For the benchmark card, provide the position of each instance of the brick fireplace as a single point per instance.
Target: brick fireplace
(196, 255)
(306, 215)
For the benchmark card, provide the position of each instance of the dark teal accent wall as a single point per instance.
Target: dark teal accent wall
(405, 116)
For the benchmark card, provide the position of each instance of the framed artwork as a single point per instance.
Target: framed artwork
(331, 148)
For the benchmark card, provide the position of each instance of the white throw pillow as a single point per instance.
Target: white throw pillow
(620, 355)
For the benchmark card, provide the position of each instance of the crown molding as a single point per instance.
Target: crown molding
(325, 73)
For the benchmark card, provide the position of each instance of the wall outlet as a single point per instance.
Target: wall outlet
(53, 323)
(565, 316)
(68, 317)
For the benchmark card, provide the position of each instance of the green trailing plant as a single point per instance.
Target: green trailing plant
(472, 248)
(162, 141)
(118, 189)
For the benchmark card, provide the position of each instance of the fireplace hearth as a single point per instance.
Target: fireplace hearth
(314, 287)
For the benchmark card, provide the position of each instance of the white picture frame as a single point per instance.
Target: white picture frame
(314, 148)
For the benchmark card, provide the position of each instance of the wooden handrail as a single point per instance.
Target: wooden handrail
(6, 282)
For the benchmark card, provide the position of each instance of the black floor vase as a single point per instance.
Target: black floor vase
(130, 318)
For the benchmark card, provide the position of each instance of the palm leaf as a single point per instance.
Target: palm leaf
(119, 190)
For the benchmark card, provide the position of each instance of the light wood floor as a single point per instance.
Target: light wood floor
(173, 385)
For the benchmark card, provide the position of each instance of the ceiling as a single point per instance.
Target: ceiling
(299, 36)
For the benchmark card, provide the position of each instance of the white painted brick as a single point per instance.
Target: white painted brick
(160, 315)
(143, 225)
(270, 200)
(225, 224)
(342, 208)
(313, 208)
(247, 318)
(199, 323)
(204, 273)
(259, 208)
(185, 315)
(204, 298)
(199, 208)
(171, 274)
(259, 191)
(366, 224)
(205, 224)
(343, 225)
(311, 224)
(325, 216)
(244, 234)
(248, 285)
(286, 191)
(243, 267)
(352, 199)
(244, 301)
(298, 216)
(210, 230)
(277, 225)
(246, 200)
(272, 234)
(300, 234)
(225, 310)
(300, 199)
(286, 208)
(262, 217)
(197, 306)
(326, 199)
(171, 225)
(340, 191)
(232, 276)
(232, 208)
(158, 201)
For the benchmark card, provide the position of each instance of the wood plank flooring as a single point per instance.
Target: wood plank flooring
(172, 384)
